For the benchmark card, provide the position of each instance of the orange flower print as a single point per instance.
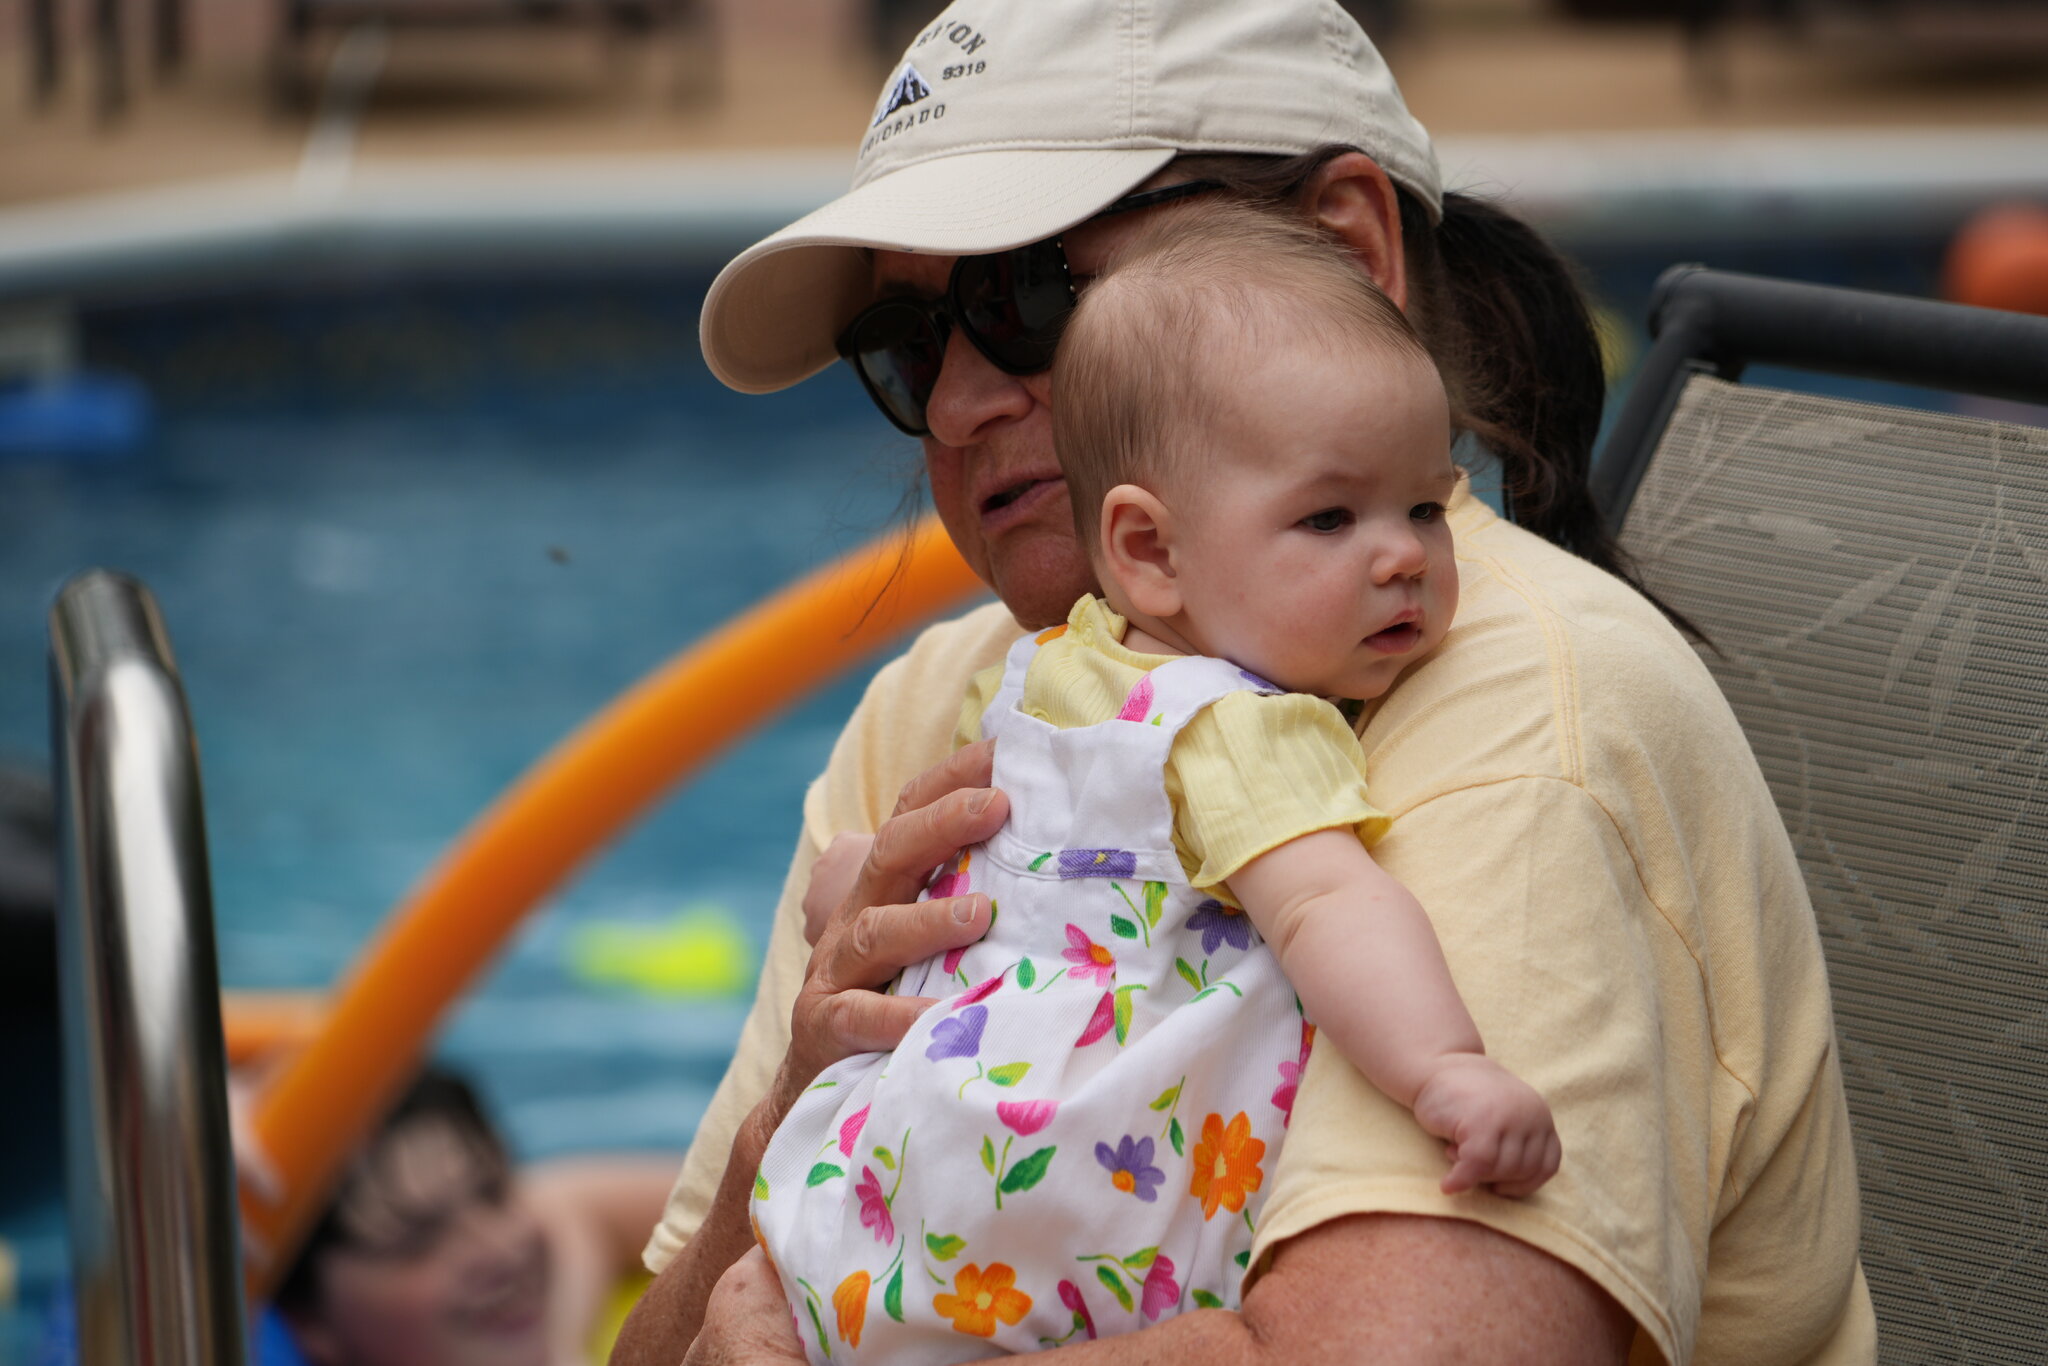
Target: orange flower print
(851, 1300)
(980, 1297)
(1226, 1164)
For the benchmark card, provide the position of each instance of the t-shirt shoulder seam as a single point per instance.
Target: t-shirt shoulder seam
(1563, 662)
(1636, 867)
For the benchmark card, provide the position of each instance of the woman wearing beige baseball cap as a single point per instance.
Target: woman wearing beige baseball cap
(1573, 801)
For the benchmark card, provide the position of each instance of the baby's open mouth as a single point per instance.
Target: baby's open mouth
(1401, 636)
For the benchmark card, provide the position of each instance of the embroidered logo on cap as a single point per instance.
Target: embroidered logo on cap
(910, 87)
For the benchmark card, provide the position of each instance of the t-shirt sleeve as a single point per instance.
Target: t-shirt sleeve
(1557, 952)
(1254, 771)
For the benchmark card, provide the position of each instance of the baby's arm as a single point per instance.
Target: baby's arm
(1361, 952)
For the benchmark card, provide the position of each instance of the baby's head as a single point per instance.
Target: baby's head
(1258, 448)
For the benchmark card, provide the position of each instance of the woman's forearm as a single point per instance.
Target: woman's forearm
(666, 1320)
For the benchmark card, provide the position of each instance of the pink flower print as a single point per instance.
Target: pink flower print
(1290, 1076)
(1130, 1168)
(1097, 863)
(950, 964)
(1027, 1117)
(874, 1207)
(1070, 1296)
(849, 1132)
(1090, 959)
(979, 993)
(1221, 924)
(958, 1036)
(954, 881)
(1162, 1292)
(1100, 1022)
(1139, 702)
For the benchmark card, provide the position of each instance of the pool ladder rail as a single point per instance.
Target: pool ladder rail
(148, 1163)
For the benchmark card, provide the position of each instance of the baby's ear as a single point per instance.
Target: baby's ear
(1138, 550)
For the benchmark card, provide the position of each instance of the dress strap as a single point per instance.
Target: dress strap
(1003, 706)
(1173, 694)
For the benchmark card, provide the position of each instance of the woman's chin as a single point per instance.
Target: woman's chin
(1038, 574)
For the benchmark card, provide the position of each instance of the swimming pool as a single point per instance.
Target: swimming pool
(410, 523)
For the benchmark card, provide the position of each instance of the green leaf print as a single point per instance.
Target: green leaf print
(1039, 862)
(1026, 974)
(1206, 1300)
(1028, 1172)
(946, 1248)
(1142, 1258)
(988, 1156)
(822, 1173)
(760, 1187)
(1155, 899)
(1123, 1010)
(1114, 1283)
(818, 1324)
(1243, 1258)
(886, 1158)
(892, 1298)
(1122, 928)
(1009, 1074)
(1167, 1097)
(1173, 1133)
(1180, 965)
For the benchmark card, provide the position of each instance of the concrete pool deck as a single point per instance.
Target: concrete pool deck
(795, 75)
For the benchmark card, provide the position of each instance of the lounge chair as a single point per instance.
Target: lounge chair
(1874, 581)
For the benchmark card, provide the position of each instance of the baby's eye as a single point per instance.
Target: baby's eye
(1329, 519)
(1425, 512)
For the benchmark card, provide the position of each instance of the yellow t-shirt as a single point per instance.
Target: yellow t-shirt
(1249, 773)
(1576, 808)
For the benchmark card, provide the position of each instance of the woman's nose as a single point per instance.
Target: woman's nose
(971, 395)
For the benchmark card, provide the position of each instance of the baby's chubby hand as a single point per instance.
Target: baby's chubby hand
(1497, 1131)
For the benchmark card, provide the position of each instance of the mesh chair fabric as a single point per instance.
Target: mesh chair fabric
(1876, 581)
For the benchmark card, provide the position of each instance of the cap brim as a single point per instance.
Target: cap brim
(774, 313)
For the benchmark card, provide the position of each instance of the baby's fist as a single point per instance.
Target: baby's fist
(1497, 1131)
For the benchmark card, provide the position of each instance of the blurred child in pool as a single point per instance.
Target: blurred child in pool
(1185, 872)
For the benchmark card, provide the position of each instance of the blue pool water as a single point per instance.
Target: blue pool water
(407, 534)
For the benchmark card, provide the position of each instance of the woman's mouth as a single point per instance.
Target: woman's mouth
(1017, 500)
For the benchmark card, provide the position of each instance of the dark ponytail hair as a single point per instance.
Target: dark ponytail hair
(1503, 315)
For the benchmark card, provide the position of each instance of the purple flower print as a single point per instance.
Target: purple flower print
(1097, 863)
(1261, 684)
(958, 1036)
(1130, 1169)
(874, 1207)
(1090, 959)
(1162, 1292)
(1070, 1296)
(1221, 924)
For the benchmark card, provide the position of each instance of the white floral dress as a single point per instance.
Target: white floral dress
(1072, 1144)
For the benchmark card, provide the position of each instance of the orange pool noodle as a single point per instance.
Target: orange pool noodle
(323, 1102)
(2000, 260)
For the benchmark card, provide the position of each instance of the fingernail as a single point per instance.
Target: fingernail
(978, 803)
(963, 910)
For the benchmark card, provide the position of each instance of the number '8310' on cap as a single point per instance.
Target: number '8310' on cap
(1008, 121)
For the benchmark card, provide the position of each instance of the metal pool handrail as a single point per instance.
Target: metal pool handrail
(149, 1165)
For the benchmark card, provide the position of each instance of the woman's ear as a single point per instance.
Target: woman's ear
(1138, 551)
(1351, 197)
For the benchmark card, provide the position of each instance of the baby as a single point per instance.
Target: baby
(1073, 1142)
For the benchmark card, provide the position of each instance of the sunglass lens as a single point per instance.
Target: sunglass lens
(898, 349)
(1013, 304)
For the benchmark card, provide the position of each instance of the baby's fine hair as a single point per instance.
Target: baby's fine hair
(1177, 306)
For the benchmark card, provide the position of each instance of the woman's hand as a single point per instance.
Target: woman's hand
(880, 927)
(832, 879)
(748, 1321)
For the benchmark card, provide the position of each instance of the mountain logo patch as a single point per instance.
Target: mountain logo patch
(910, 87)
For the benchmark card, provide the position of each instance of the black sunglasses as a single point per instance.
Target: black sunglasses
(1010, 305)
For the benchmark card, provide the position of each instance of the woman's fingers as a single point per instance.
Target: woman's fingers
(910, 845)
(871, 944)
(969, 766)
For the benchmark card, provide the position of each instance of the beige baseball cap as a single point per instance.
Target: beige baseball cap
(1008, 121)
